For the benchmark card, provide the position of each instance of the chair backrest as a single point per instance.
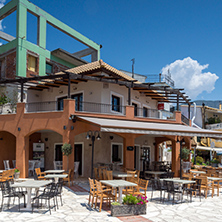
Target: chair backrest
(38, 171)
(143, 184)
(36, 164)
(109, 174)
(170, 174)
(96, 173)
(138, 173)
(104, 174)
(14, 163)
(170, 186)
(76, 167)
(100, 173)
(99, 187)
(6, 164)
(91, 184)
(203, 180)
(31, 165)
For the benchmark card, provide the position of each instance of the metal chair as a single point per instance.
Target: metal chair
(14, 163)
(48, 193)
(31, 167)
(9, 192)
(6, 164)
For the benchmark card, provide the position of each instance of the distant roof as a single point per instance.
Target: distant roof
(69, 57)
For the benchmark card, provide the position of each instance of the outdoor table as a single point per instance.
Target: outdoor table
(155, 173)
(179, 181)
(218, 180)
(120, 174)
(55, 171)
(29, 184)
(197, 172)
(120, 184)
(56, 177)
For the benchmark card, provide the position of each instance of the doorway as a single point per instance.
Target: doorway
(137, 157)
(78, 156)
(58, 152)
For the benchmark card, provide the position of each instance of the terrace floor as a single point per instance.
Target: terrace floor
(75, 208)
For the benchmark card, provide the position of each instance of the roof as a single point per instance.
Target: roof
(150, 128)
(96, 66)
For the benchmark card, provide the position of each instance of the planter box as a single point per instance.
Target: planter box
(124, 210)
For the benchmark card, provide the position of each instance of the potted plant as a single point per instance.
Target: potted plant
(214, 162)
(185, 154)
(67, 150)
(17, 173)
(132, 205)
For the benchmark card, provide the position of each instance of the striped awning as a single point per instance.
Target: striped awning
(150, 128)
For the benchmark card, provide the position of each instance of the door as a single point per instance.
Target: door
(137, 157)
(78, 101)
(146, 155)
(58, 152)
(78, 156)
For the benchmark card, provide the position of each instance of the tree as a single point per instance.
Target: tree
(66, 151)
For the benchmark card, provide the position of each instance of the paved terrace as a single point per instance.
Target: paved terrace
(75, 208)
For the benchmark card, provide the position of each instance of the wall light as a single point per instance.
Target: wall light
(19, 129)
(72, 128)
(64, 127)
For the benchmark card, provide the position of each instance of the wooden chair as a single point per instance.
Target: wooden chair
(131, 190)
(104, 174)
(103, 194)
(92, 191)
(109, 174)
(142, 185)
(132, 173)
(40, 175)
(96, 173)
(70, 177)
(100, 171)
(4, 176)
(206, 185)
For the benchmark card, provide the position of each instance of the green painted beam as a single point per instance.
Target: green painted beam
(60, 25)
(8, 9)
(8, 46)
(41, 32)
(42, 65)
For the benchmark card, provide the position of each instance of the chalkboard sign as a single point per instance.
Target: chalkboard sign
(130, 148)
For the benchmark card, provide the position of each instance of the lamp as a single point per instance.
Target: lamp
(64, 127)
(72, 128)
(111, 137)
(93, 135)
(19, 129)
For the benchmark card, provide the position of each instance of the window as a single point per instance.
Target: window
(116, 103)
(145, 112)
(135, 109)
(60, 103)
(32, 61)
(48, 68)
(2, 68)
(79, 99)
(117, 153)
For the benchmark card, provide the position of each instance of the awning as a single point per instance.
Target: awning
(216, 149)
(151, 128)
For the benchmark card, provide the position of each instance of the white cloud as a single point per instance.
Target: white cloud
(190, 75)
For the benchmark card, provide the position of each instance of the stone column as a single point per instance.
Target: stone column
(175, 158)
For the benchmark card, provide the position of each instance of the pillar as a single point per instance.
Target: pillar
(22, 155)
(176, 158)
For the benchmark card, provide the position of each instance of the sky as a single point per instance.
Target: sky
(184, 37)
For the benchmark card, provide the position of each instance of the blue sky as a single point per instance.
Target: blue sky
(154, 32)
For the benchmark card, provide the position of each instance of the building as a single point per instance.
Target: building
(82, 100)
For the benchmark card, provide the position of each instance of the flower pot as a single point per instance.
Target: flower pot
(124, 210)
(16, 175)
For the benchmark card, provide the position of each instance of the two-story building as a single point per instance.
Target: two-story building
(67, 104)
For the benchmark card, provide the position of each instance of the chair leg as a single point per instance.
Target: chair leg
(19, 204)
(2, 204)
(57, 202)
(54, 203)
(61, 199)
(89, 198)
(101, 202)
(49, 206)
(24, 201)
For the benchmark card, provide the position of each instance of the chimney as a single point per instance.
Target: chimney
(220, 106)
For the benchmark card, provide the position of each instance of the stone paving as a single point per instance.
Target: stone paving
(75, 208)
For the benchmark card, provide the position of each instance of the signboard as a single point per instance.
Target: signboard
(130, 148)
(161, 106)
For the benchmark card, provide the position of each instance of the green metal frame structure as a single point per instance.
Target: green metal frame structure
(22, 45)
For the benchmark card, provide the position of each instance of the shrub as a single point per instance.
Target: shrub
(132, 200)
(17, 170)
(185, 154)
(115, 203)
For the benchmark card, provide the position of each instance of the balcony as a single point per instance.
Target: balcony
(214, 126)
(100, 108)
(185, 120)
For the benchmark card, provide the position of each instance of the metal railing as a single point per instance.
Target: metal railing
(79, 106)
(185, 120)
(8, 108)
(214, 126)
(42, 107)
(100, 108)
(153, 113)
(160, 78)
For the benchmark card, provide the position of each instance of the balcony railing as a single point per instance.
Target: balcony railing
(100, 108)
(185, 120)
(41, 106)
(153, 113)
(80, 107)
(214, 126)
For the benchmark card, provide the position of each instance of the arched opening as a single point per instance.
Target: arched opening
(7, 148)
(45, 146)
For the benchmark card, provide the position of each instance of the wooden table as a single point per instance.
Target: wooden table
(29, 184)
(155, 173)
(120, 184)
(56, 177)
(197, 172)
(55, 171)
